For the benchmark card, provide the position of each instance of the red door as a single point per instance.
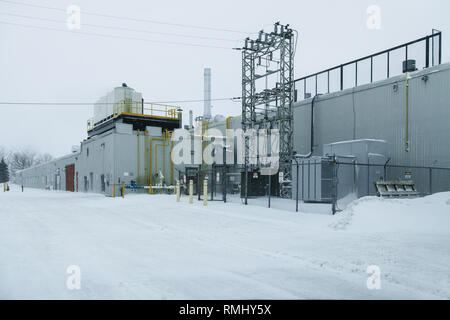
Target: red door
(70, 175)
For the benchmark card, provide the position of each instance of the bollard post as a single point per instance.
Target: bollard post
(178, 190)
(191, 191)
(123, 190)
(205, 192)
(114, 190)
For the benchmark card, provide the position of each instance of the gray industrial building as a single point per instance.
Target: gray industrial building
(408, 114)
(123, 148)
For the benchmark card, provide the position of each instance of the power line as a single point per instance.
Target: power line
(105, 103)
(131, 19)
(116, 36)
(120, 28)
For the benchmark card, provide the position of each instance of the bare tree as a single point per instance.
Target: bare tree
(43, 158)
(20, 160)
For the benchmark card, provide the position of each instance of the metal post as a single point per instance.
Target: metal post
(304, 88)
(342, 77)
(296, 191)
(246, 185)
(316, 85)
(198, 184)
(431, 180)
(334, 201)
(388, 63)
(205, 192)
(270, 188)
(123, 190)
(427, 53)
(213, 182)
(328, 77)
(178, 191)
(371, 69)
(224, 182)
(191, 191)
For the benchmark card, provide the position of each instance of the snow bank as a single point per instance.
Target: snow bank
(420, 215)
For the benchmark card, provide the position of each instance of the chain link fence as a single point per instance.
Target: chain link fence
(321, 185)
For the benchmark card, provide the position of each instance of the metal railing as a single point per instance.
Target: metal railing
(139, 108)
(322, 81)
(150, 109)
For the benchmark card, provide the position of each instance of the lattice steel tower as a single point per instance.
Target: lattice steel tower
(271, 107)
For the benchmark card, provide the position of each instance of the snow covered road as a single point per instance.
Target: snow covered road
(150, 247)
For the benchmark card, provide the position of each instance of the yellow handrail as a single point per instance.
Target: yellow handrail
(146, 109)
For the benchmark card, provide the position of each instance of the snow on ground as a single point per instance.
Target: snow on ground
(151, 247)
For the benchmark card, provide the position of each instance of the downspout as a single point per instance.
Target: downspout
(305, 156)
(407, 115)
(138, 158)
(146, 158)
(151, 161)
(171, 160)
(166, 143)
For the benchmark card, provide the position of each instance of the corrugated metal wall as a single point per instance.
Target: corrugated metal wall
(378, 111)
(374, 111)
(112, 155)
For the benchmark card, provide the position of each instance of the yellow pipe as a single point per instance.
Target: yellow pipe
(138, 158)
(151, 161)
(228, 120)
(407, 116)
(146, 158)
(171, 161)
(166, 143)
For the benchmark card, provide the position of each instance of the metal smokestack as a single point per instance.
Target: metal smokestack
(207, 94)
(191, 119)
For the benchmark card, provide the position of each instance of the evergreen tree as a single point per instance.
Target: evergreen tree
(4, 172)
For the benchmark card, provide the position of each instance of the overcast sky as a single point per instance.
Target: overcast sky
(40, 65)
